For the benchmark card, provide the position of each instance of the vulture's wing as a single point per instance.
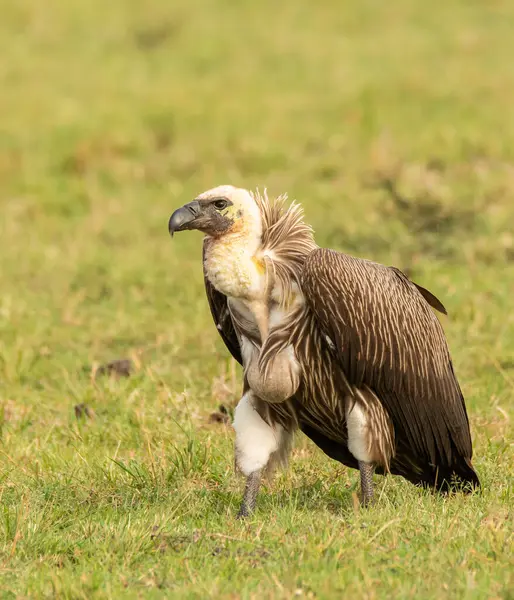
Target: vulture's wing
(429, 297)
(221, 315)
(387, 338)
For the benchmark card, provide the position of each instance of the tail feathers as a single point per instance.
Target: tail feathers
(459, 477)
(462, 477)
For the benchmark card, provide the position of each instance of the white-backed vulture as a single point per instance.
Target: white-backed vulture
(347, 350)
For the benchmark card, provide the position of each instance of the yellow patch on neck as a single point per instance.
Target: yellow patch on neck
(260, 264)
(237, 227)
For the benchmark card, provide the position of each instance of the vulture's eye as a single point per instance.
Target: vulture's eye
(220, 204)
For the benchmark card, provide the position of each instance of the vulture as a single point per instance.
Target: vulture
(347, 350)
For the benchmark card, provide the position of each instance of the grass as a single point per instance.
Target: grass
(393, 124)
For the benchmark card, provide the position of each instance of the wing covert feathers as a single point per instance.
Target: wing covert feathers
(429, 297)
(387, 338)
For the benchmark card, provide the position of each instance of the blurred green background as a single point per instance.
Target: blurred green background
(393, 125)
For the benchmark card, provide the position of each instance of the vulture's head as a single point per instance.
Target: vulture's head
(221, 211)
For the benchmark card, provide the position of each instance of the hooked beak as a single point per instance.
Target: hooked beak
(183, 218)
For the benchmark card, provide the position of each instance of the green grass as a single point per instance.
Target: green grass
(393, 124)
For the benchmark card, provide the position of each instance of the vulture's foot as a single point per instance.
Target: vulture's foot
(253, 482)
(366, 470)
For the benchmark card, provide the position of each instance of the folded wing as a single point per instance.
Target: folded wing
(386, 337)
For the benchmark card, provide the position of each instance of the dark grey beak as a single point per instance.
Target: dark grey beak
(184, 217)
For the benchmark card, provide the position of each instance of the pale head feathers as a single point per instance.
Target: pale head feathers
(243, 211)
(276, 230)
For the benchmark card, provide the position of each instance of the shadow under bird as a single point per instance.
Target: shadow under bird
(344, 349)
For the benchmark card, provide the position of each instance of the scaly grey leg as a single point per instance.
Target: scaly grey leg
(366, 470)
(253, 481)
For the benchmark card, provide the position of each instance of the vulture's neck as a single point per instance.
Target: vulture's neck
(231, 262)
(234, 269)
(260, 263)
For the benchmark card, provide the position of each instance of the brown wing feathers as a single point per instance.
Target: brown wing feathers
(429, 297)
(387, 337)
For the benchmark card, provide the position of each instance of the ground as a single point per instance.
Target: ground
(393, 124)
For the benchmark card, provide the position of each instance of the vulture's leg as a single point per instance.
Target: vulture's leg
(370, 436)
(366, 471)
(253, 482)
(256, 443)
